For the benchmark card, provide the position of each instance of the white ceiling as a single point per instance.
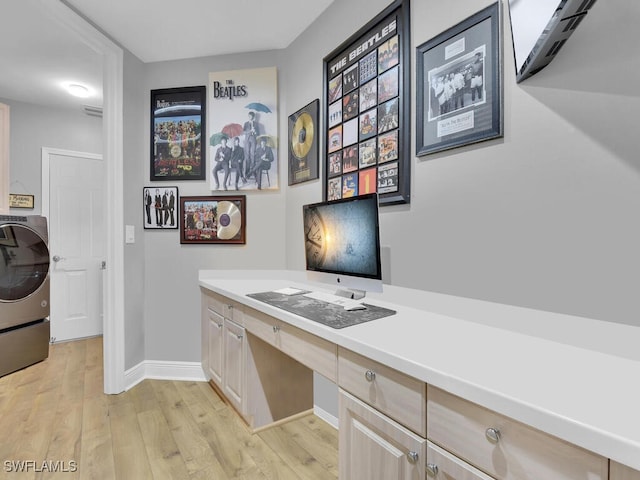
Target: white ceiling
(38, 56)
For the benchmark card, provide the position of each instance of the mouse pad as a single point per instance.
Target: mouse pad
(333, 316)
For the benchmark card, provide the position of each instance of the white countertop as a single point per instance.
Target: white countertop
(572, 377)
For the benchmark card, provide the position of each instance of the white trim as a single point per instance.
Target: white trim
(159, 370)
(5, 117)
(112, 125)
(326, 416)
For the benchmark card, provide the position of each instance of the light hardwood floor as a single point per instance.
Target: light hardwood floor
(53, 415)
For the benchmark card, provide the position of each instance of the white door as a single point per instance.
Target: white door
(76, 213)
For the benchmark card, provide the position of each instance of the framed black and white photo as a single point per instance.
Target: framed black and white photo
(303, 142)
(367, 87)
(459, 84)
(160, 207)
(177, 124)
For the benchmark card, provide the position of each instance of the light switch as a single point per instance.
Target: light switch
(129, 235)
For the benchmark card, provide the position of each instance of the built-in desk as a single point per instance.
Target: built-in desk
(551, 383)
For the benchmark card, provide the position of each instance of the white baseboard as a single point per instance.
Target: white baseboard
(159, 370)
(326, 416)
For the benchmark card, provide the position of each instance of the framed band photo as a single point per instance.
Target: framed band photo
(160, 208)
(367, 122)
(177, 122)
(459, 84)
(303, 143)
(213, 219)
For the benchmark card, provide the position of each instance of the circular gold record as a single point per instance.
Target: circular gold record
(302, 135)
(229, 220)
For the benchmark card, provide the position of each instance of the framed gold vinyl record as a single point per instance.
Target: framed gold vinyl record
(303, 144)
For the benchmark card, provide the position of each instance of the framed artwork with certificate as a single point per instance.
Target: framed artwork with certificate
(459, 84)
(177, 124)
(367, 111)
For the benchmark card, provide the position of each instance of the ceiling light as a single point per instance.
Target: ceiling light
(78, 90)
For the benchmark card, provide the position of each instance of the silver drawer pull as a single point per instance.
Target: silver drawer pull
(413, 457)
(492, 434)
(219, 325)
(239, 337)
(370, 375)
(432, 469)
(276, 329)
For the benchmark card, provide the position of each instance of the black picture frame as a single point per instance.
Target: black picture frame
(178, 124)
(450, 115)
(373, 65)
(303, 144)
(160, 208)
(202, 219)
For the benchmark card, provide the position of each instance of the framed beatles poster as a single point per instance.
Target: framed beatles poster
(367, 111)
(177, 124)
(213, 219)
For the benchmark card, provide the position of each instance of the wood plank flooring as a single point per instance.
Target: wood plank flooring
(55, 423)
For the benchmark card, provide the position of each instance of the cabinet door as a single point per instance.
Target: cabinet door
(442, 465)
(620, 472)
(214, 365)
(234, 364)
(374, 447)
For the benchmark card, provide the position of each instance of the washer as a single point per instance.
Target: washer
(24, 291)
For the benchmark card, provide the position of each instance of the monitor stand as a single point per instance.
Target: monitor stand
(352, 293)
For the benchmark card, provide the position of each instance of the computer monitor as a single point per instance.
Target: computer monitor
(342, 243)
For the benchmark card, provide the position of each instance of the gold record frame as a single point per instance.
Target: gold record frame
(303, 137)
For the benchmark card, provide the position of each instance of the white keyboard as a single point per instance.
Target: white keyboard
(346, 303)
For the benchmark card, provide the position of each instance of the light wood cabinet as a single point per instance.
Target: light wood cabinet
(442, 465)
(374, 447)
(224, 348)
(310, 350)
(395, 394)
(502, 447)
(214, 365)
(621, 472)
(234, 376)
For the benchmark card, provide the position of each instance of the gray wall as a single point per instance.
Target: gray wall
(172, 296)
(135, 172)
(34, 127)
(543, 218)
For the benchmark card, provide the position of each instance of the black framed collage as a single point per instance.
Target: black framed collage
(367, 111)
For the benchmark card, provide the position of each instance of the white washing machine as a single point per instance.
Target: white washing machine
(24, 291)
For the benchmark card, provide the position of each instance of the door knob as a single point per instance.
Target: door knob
(57, 258)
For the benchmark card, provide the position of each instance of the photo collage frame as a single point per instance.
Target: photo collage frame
(367, 114)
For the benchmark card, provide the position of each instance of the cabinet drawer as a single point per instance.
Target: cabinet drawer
(316, 353)
(223, 306)
(399, 396)
(213, 301)
(233, 311)
(261, 325)
(503, 447)
(310, 350)
(441, 465)
(621, 472)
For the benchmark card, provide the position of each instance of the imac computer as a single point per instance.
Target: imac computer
(342, 244)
